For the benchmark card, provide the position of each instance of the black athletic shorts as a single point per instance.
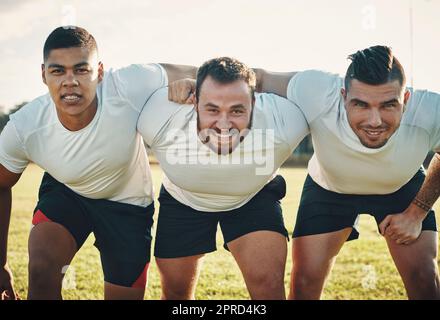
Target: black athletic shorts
(183, 231)
(122, 231)
(322, 211)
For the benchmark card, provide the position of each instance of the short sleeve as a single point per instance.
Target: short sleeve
(314, 92)
(423, 110)
(137, 82)
(155, 115)
(288, 119)
(12, 152)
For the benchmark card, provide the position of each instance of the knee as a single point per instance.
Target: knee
(304, 279)
(267, 281)
(423, 283)
(178, 288)
(426, 275)
(43, 271)
(177, 292)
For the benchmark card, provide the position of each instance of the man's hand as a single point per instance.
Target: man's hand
(404, 227)
(7, 291)
(182, 91)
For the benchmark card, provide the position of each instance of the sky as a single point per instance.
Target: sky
(278, 35)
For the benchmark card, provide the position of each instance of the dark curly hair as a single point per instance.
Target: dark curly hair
(225, 70)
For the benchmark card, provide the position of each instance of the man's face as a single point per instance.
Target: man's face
(375, 111)
(72, 75)
(224, 114)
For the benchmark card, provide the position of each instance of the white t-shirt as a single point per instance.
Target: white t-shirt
(340, 162)
(200, 178)
(104, 160)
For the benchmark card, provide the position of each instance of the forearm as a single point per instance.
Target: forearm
(273, 82)
(5, 215)
(430, 190)
(178, 71)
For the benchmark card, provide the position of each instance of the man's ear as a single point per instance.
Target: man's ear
(100, 71)
(43, 73)
(196, 102)
(344, 93)
(406, 96)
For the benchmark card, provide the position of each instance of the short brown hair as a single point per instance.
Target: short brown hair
(225, 70)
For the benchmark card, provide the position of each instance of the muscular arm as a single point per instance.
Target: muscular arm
(430, 190)
(273, 82)
(406, 227)
(178, 71)
(183, 83)
(7, 181)
(267, 81)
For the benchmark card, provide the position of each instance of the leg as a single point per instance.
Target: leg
(313, 257)
(183, 237)
(123, 279)
(51, 247)
(115, 292)
(261, 256)
(123, 238)
(417, 265)
(179, 276)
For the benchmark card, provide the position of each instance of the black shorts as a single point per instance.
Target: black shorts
(183, 231)
(322, 211)
(122, 231)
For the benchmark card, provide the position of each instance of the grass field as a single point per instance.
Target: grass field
(363, 270)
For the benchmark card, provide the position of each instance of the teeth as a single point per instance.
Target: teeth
(72, 97)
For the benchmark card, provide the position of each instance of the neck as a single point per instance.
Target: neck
(79, 121)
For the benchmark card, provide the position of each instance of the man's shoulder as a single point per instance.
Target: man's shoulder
(138, 74)
(313, 75)
(271, 110)
(159, 114)
(269, 103)
(423, 109)
(34, 115)
(159, 104)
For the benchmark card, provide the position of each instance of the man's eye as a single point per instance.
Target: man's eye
(236, 112)
(212, 110)
(390, 105)
(82, 70)
(56, 71)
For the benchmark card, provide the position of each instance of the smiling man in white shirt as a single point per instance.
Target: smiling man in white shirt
(370, 135)
(220, 158)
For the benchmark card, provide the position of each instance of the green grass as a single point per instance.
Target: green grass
(220, 278)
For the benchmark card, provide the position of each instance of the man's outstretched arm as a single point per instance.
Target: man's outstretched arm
(430, 190)
(178, 71)
(273, 82)
(7, 181)
(181, 89)
(406, 227)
